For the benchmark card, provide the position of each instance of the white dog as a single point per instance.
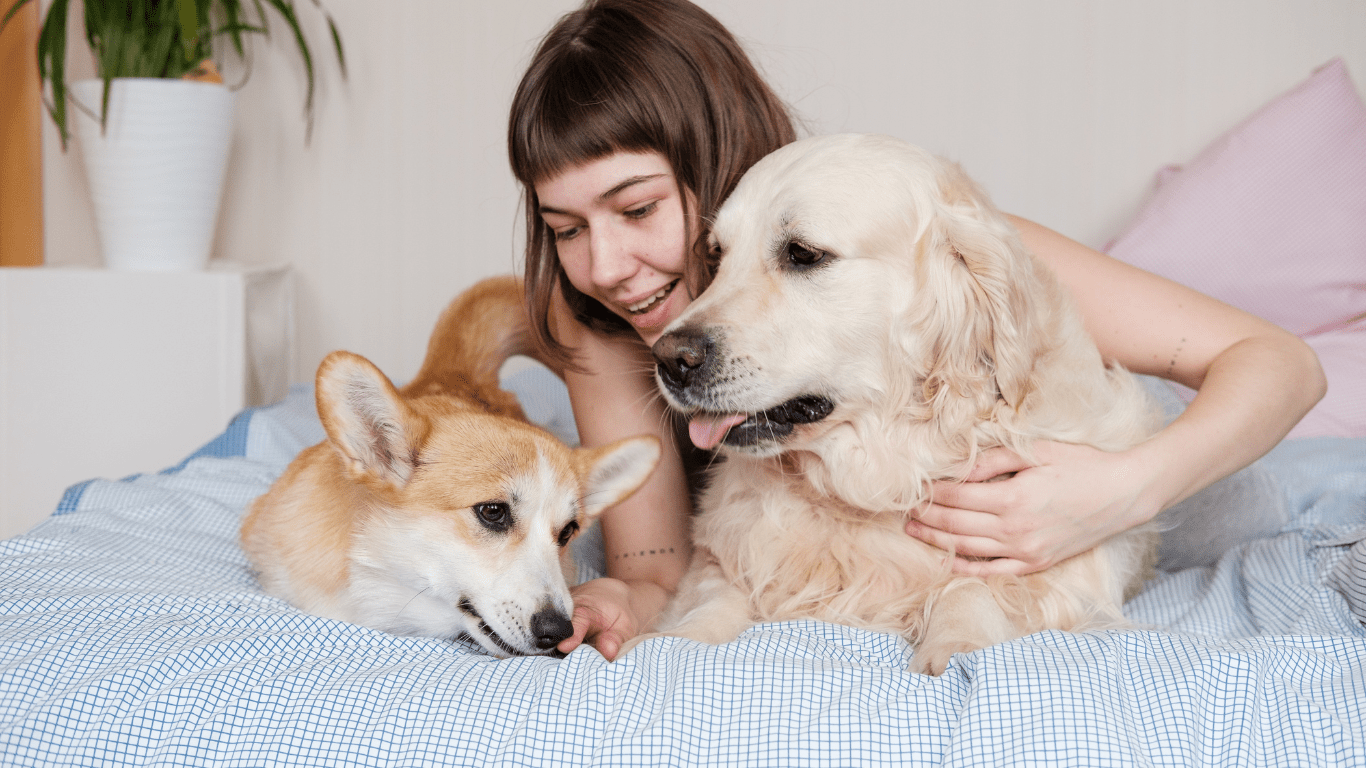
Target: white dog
(874, 325)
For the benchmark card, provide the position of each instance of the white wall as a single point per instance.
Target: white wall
(1063, 109)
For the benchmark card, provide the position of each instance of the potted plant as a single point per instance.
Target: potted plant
(156, 125)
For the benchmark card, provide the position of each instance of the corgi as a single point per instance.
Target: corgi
(436, 509)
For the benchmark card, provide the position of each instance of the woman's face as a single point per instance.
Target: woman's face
(621, 236)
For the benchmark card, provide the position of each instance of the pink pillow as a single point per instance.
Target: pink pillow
(1341, 412)
(1271, 218)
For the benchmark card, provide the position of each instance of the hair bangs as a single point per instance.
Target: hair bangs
(579, 112)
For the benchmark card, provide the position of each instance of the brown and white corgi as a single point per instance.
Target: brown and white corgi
(436, 509)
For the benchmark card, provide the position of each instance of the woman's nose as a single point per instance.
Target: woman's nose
(613, 260)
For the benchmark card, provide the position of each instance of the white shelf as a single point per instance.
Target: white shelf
(108, 374)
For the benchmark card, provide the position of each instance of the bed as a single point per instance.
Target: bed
(133, 632)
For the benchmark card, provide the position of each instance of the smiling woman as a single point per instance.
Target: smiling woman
(21, 202)
(624, 151)
(621, 234)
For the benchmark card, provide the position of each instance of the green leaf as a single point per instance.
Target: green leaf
(189, 25)
(164, 38)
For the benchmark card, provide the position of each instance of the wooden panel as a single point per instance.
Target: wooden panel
(21, 148)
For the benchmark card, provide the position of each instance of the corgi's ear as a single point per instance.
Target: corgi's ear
(368, 423)
(615, 471)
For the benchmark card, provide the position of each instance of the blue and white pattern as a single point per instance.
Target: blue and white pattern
(132, 632)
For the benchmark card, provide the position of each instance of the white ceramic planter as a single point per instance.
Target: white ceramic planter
(156, 170)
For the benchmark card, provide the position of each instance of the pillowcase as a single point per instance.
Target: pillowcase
(1271, 218)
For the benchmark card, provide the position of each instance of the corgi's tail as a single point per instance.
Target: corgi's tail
(476, 333)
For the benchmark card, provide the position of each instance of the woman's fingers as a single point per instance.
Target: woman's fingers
(1000, 566)
(971, 555)
(953, 519)
(601, 617)
(955, 542)
(995, 462)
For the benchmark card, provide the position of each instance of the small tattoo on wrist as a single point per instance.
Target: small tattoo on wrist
(1171, 366)
(645, 553)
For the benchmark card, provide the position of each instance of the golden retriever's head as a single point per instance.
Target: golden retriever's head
(860, 275)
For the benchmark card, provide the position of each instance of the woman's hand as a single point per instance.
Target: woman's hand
(608, 612)
(1074, 498)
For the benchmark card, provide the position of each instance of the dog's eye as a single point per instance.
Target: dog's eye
(800, 256)
(567, 532)
(494, 515)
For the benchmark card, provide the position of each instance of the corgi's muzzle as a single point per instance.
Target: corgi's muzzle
(547, 628)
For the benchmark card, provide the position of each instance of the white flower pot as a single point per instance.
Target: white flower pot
(156, 170)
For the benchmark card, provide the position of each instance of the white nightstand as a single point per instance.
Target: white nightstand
(108, 374)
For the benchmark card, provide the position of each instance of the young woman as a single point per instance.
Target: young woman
(633, 122)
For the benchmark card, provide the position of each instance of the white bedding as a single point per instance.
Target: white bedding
(132, 632)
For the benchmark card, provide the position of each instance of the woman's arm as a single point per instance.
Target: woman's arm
(646, 537)
(1255, 381)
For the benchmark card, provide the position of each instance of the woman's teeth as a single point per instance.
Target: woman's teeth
(645, 305)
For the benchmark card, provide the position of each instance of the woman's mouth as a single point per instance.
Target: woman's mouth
(649, 303)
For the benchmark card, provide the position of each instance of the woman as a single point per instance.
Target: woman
(633, 122)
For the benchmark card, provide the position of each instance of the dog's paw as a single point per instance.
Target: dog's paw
(933, 658)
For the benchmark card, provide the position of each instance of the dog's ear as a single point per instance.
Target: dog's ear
(996, 340)
(368, 423)
(614, 471)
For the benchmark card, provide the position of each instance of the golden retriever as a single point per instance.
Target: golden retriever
(873, 326)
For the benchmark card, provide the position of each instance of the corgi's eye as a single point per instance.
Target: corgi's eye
(567, 532)
(494, 515)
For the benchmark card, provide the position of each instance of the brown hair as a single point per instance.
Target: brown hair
(633, 76)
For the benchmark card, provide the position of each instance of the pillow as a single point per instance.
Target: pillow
(1341, 412)
(1271, 218)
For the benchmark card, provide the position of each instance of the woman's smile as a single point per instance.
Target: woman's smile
(621, 235)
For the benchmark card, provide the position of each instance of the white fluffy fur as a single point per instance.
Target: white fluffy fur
(936, 335)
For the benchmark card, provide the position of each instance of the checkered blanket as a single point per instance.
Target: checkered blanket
(132, 632)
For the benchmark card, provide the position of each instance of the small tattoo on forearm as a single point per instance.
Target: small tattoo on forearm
(1171, 366)
(645, 553)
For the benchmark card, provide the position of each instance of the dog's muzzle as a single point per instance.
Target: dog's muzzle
(777, 422)
(689, 367)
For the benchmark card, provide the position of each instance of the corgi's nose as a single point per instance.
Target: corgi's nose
(549, 626)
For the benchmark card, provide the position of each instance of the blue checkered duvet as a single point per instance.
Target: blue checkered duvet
(133, 633)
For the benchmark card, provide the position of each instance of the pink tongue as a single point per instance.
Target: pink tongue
(707, 431)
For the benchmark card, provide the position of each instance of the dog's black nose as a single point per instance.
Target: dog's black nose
(679, 354)
(549, 626)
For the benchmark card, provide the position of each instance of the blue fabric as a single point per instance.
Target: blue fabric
(233, 441)
(132, 632)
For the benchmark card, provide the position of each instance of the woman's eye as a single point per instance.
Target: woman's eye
(801, 256)
(566, 234)
(494, 515)
(567, 532)
(642, 211)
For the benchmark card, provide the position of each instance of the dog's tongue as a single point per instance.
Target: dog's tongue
(706, 430)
